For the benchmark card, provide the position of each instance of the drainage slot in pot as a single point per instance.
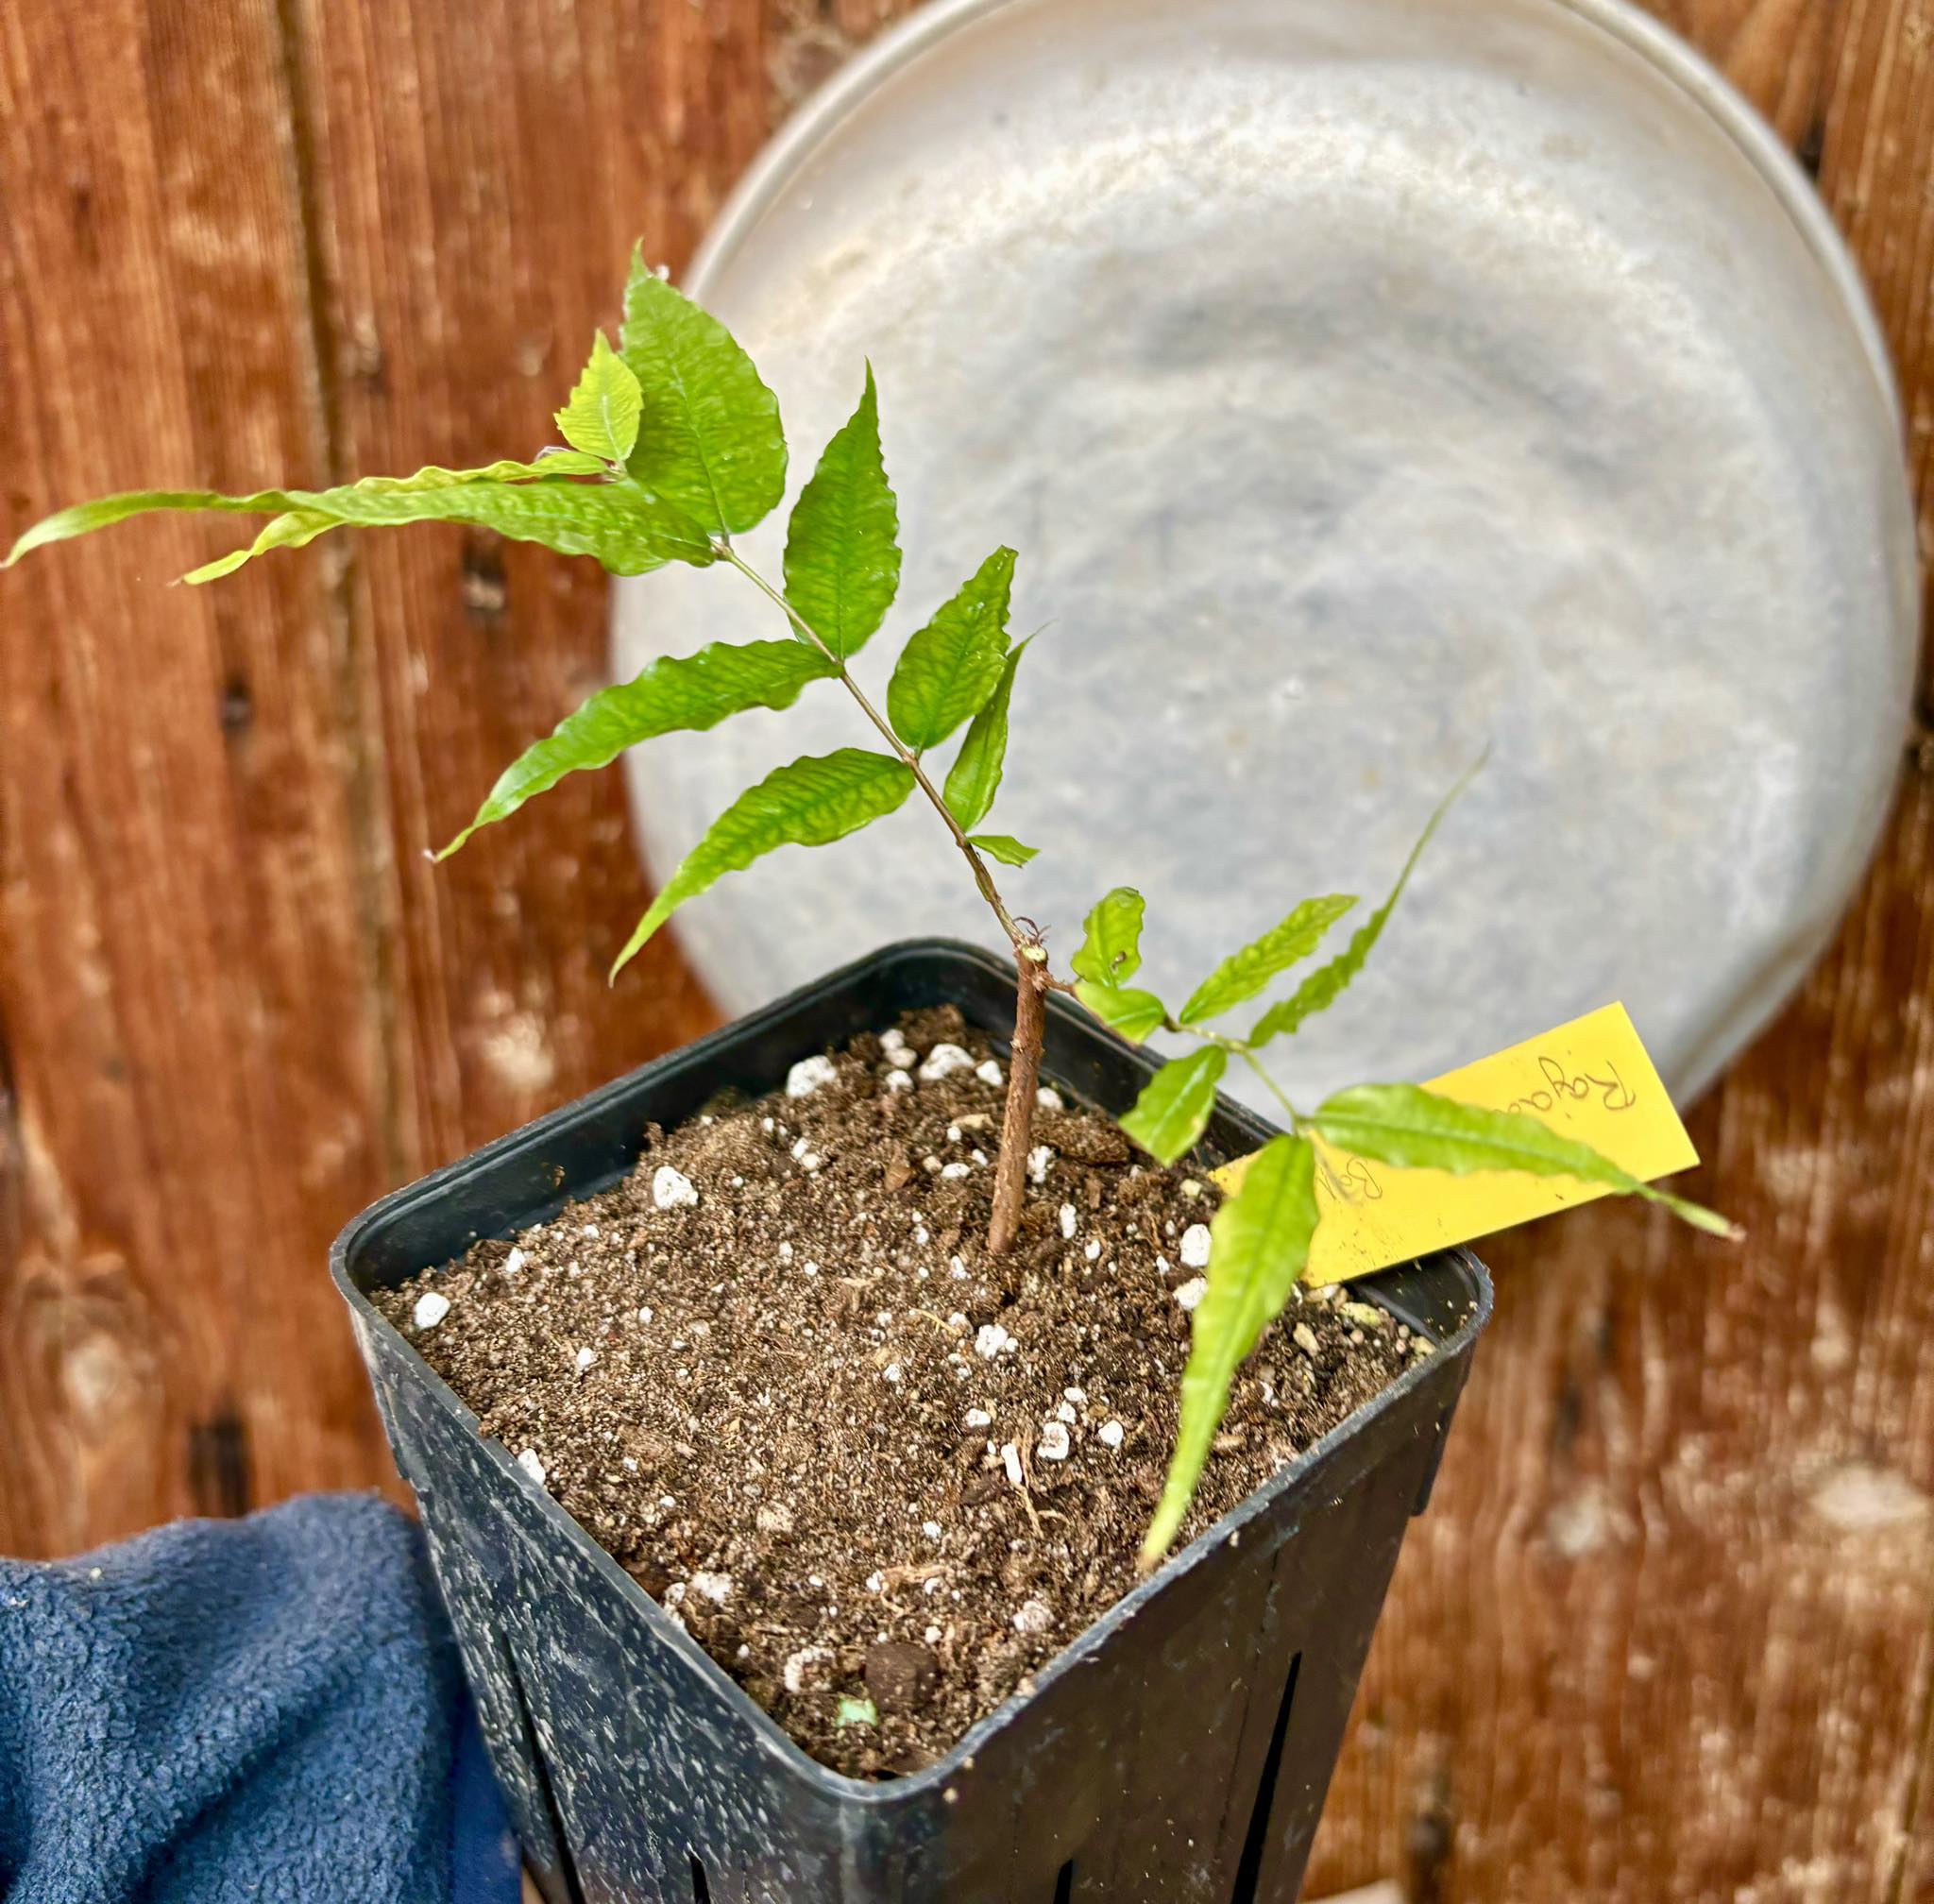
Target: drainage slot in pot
(701, 1887)
(1250, 1872)
(1064, 1883)
(540, 1774)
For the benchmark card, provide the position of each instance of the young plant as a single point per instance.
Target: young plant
(674, 447)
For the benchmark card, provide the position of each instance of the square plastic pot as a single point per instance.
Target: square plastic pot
(1178, 1750)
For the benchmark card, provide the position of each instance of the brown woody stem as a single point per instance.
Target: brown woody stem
(1023, 1075)
(1024, 1062)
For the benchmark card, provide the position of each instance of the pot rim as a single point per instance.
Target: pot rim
(958, 1760)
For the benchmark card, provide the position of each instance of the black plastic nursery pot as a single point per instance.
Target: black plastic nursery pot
(1178, 1749)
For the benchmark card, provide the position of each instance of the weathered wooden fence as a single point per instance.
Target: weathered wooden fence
(1668, 1633)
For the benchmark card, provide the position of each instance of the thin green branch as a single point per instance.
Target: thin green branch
(1021, 940)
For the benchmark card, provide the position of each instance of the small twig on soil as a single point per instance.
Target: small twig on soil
(1028, 1486)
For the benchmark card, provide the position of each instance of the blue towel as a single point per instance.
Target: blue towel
(268, 1708)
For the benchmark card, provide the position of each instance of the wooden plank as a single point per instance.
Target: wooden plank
(1665, 1633)
(193, 1094)
(481, 174)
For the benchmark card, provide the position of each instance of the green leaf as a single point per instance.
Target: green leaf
(1169, 1115)
(1247, 972)
(1260, 1245)
(811, 802)
(851, 1711)
(1004, 847)
(946, 671)
(602, 418)
(975, 777)
(675, 694)
(1111, 939)
(1133, 1014)
(1327, 983)
(709, 440)
(295, 530)
(1418, 1129)
(842, 553)
(623, 528)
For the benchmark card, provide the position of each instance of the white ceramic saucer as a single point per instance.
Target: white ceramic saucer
(1363, 382)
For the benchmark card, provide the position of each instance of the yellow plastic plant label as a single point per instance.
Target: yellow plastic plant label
(1591, 1079)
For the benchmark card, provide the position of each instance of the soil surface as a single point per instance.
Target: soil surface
(879, 1476)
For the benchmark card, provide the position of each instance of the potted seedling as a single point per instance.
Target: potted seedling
(802, 1422)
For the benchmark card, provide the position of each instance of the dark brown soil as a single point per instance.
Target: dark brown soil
(870, 1469)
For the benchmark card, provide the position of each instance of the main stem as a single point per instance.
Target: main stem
(1023, 1058)
(1017, 1126)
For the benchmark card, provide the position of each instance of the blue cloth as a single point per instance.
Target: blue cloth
(268, 1708)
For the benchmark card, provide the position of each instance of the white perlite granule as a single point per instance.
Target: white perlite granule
(1054, 1441)
(671, 1189)
(1110, 1435)
(431, 1309)
(1192, 1291)
(942, 1061)
(532, 1465)
(810, 1075)
(1194, 1247)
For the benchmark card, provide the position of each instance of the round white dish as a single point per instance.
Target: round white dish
(1363, 382)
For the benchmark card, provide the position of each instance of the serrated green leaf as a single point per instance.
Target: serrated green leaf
(1169, 1117)
(675, 694)
(1246, 973)
(1111, 939)
(975, 777)
(810, 802)
(1327, 983)
(709, 440)
(602, 418)
(1004, 847)
(843, 552)
(1260, 1245)
(1417, 1129)
(946, 671)
(617, 523)
(1124, 1010)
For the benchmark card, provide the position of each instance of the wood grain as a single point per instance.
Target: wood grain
(1667, 1632)
(186, 983)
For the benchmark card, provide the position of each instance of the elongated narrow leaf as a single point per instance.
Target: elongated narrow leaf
(626, 530)
(677, 693)
(295, 530)
(618, 525)
(842, 550)
(1328, 982)
(602, 418)
(810, 802)
(1111, 939)
(1242, 974)
(946, 671)
(1170, 1114)
(1123, 1009)
(1418, 1129)
(299, 527)
(1260, 1245)
(1004, 847)
(975, 777)
(709, 440)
